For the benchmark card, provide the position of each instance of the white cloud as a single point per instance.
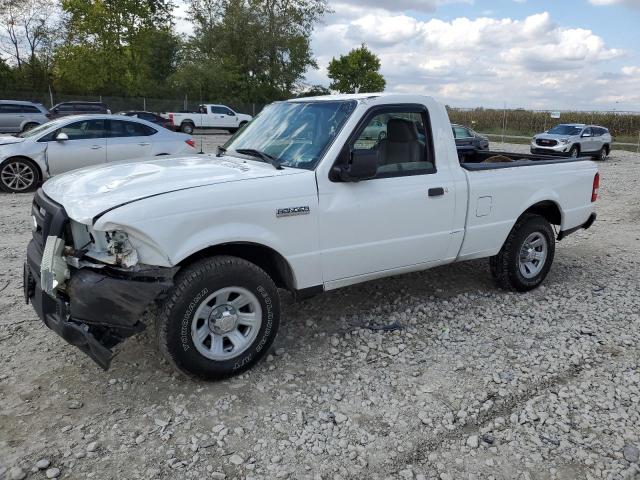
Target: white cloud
(530, 62)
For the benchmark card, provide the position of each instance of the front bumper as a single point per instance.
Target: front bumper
(560, 149)
(98, 307)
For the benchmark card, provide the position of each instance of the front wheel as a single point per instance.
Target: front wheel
(574, 152)
(220, 318)
(19, 175)
(526, 256)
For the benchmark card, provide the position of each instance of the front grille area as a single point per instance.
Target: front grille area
(545, 142)
(51, 219)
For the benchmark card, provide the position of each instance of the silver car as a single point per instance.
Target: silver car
(80, 141)
(573, 140)
(17, 116)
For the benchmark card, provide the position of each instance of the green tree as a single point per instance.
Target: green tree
(28, 31)
(314, 91)
(117, 47)
(254, 50)
(356, 72)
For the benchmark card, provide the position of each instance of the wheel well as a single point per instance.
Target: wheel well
(576, 145)
(190, 122)
(266, 258)
(607, 148)
(548, 210)
(21, 157)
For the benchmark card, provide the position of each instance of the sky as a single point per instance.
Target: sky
(542, 54)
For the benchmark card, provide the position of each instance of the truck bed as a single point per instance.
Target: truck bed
(474, 160)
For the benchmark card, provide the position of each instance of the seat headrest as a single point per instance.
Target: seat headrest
(401, 130)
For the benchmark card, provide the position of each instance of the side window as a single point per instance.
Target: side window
(10, 108)
(121, 128)
(30, 109)
(85, 129)
(228, 112)
(461, 132)
(218, 110)
(401, 142)
(588, 131)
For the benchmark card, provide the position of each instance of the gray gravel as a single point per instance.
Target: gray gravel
(475, 383)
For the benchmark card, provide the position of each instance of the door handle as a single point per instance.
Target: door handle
(144, 144)
(96, 147)
(436, 192)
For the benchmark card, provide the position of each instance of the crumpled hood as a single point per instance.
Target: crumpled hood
(9, 140)
(88, 192)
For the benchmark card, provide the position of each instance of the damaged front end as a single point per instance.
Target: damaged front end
(90, 289)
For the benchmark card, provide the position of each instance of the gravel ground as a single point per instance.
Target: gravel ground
(475, 382)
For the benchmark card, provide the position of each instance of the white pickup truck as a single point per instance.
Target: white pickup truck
(301, 200)
(207, 116)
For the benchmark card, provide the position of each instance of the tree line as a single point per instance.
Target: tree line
(240, 50)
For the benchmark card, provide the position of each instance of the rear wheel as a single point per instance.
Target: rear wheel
(187, 128)
(602, 154)
(526, 256)
(220, 318)
(574, 152)
(18, 175)
(29, 126)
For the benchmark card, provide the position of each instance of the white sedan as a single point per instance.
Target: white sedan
(80, 141)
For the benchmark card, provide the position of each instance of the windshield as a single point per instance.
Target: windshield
(565, 130)
(39, 129)
(296, 134)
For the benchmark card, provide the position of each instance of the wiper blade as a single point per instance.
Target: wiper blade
(265, 157)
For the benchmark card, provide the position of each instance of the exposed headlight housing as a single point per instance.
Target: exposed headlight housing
(114, 249)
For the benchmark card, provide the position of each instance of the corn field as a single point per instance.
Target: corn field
(528, 122)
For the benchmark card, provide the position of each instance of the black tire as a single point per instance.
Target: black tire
(29, 126)
(574, 151)
(187, 128)
(193, 286)
(232, 130)
(602, 154)
(505, 266)
(29, 175)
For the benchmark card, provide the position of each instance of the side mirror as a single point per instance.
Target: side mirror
(62, 137)
(361, 165)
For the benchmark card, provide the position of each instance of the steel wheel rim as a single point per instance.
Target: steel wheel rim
(226, 323)
(574, 153)
(17, 176)
(533, 255)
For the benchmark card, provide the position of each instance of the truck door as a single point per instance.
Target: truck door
(400, 218)
(223, 117)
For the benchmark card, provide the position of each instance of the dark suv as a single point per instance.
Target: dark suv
(79, 108)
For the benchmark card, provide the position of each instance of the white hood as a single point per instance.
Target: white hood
(88, 192)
